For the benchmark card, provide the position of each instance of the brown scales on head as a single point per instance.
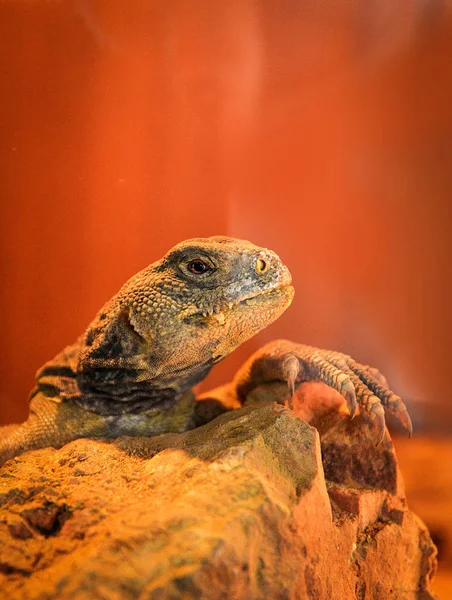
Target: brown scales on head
(131, 372)
(199, 301)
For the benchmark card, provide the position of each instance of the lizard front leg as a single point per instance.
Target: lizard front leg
(293, 363)
(51, 422)
(55, 422)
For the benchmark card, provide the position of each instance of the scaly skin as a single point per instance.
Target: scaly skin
(132, 371)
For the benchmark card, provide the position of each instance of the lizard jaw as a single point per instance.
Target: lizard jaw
(273, 299)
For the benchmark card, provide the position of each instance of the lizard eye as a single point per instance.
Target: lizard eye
(198, 266)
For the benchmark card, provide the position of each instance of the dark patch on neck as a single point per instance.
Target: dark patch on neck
(137, 402)
(117, 371)
(119, 392)
(111, 370)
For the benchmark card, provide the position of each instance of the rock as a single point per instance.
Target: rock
(425, 462)
(240, 508)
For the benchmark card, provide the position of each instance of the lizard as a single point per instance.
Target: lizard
(133, 371)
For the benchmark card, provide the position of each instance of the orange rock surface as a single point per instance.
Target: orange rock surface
(242, 507)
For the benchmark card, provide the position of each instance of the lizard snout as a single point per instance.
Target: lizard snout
(269, 265)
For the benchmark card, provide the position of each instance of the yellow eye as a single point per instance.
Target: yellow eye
(261, 266)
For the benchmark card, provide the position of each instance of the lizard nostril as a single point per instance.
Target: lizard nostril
(261, 266)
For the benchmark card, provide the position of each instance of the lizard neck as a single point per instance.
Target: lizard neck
(119, 372)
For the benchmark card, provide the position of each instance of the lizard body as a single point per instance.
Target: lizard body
(132, 371)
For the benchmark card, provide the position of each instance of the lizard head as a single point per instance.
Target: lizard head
(205, 297)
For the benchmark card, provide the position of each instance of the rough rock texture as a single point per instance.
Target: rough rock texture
(426, 467)
(240, 508)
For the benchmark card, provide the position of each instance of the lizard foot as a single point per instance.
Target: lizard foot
(358, 384)
(361, 386)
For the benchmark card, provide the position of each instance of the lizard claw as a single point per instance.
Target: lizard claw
(405, 419)
(350, 398)
(374, 408)
(291, 368)
(380, 426)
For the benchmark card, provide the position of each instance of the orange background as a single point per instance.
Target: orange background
(322, 130)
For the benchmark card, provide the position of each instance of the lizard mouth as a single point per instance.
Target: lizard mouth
(272, 299)
(271, 296)
(275, 299)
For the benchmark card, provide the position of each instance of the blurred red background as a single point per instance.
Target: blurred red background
(321, 130)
